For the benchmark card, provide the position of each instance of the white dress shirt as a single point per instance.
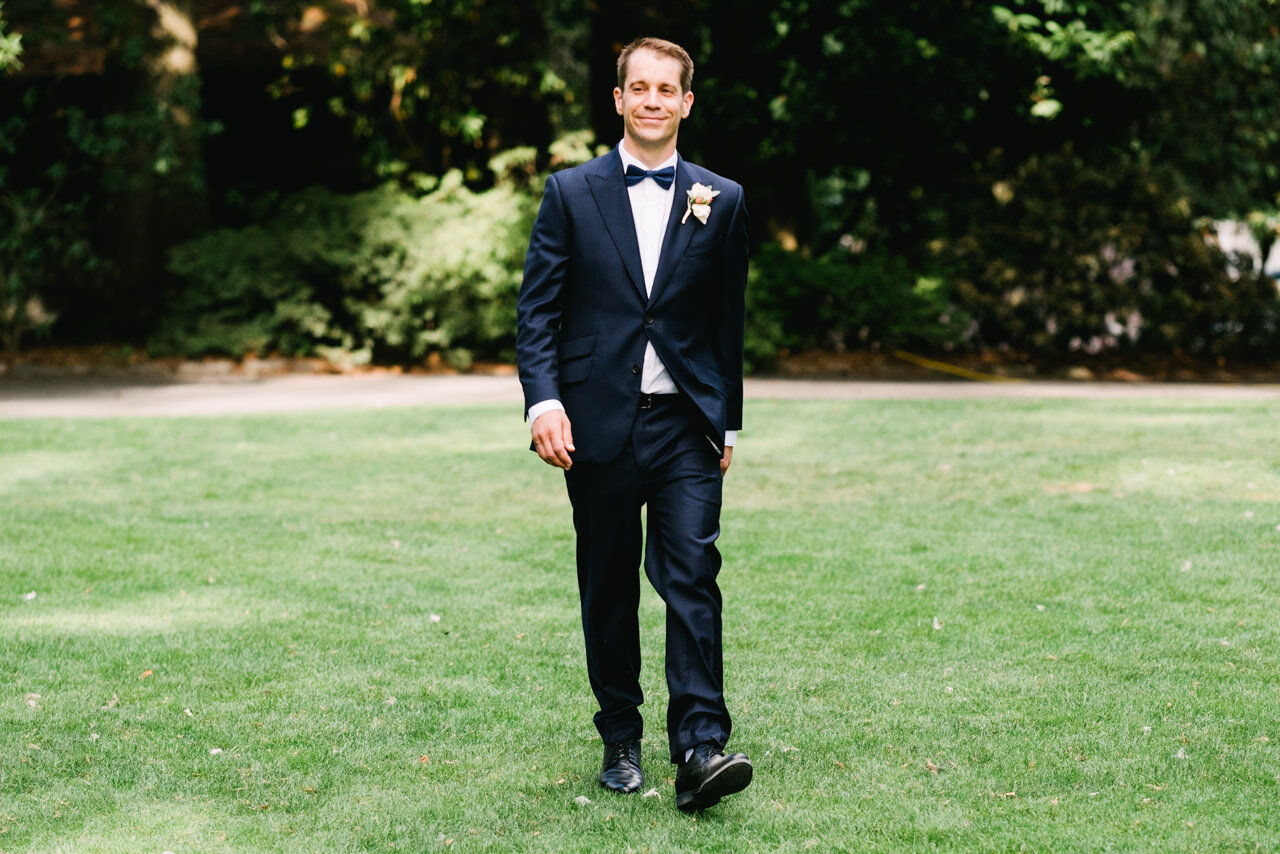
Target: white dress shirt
(650, 210)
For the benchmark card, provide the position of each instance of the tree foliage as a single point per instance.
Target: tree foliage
(428, 86)
(907, 128)
(10, 46)
(1041, 176)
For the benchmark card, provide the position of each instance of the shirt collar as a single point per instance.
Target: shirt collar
(629, 160)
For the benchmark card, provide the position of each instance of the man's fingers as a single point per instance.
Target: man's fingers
(552, 439)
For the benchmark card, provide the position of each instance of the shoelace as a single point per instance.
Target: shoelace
(624, 750)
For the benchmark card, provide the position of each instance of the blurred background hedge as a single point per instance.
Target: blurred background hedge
(1051, 181)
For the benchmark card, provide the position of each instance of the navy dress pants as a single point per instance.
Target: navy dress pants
(671, 470)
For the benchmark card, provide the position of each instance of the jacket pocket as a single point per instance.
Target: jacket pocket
(715, 245)
(708, 376)
(576, 358)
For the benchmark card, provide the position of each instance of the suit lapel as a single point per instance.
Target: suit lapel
(677, 236)
(609, 188)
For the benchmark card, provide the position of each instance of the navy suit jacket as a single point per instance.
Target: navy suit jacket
(584, 319)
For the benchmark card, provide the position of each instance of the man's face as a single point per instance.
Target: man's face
(652, 103)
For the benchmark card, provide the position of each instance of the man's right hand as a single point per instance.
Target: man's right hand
(553, 439)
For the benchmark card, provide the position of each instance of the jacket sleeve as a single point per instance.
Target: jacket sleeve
(732, 312)
(540, 303)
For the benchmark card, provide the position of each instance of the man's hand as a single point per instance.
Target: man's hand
(553, 439)
(726, 459)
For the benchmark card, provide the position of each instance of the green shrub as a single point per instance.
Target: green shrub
(384, 275)
(1126, 270)
(841, 301)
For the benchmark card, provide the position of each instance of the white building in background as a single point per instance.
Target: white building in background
(1237, 238)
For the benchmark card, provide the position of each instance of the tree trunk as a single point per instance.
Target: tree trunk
(156, 181)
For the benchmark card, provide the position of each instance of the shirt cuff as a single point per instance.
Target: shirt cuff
(543, 407)
(730, 437)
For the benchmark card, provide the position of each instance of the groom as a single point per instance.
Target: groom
(630, 323)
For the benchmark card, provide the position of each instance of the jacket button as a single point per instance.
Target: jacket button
(635, 369)
(648, 321)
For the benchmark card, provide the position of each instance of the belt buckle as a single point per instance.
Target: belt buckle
(646, 401)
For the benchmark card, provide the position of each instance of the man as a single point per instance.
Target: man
(630, 324)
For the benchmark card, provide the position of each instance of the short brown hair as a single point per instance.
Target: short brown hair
(662, 47)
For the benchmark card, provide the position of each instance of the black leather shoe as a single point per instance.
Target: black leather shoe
(710, 775)
(621, 771)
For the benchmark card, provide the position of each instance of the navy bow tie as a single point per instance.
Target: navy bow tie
(664, 177)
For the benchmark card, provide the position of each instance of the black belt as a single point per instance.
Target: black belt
(647, 401)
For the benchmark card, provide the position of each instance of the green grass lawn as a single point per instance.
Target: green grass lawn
(978, 626)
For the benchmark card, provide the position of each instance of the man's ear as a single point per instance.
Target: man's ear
(617, 99)
(685, 106)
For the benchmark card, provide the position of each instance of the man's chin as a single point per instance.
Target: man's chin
(651, 137)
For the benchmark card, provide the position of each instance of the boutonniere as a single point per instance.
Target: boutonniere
(700, 203)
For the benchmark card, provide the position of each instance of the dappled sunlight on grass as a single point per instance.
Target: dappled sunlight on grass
(141, 615)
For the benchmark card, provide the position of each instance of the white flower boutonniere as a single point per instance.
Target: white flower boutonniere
(699, 203)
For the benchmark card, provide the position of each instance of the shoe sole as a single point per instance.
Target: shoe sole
(729, 780)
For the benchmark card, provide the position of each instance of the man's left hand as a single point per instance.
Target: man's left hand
(726, 459)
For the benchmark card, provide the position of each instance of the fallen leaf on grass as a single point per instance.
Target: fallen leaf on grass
(214, 751)
(33, 700)
(29, 597)
(582, 800)
(930, 767)
(144, 674)
(937, 624)
(652, 793)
